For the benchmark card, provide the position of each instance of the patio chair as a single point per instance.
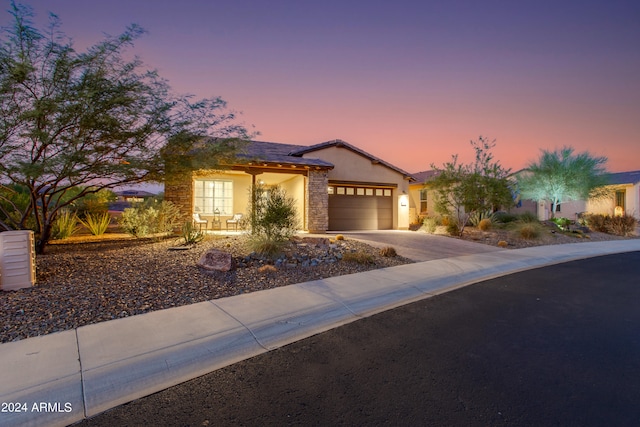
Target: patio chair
(235, 220)
(199, 221)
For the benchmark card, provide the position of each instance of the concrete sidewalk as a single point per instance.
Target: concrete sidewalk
(61, 378)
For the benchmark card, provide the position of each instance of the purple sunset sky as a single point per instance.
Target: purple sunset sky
(409, 81)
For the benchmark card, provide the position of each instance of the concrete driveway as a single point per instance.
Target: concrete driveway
(419, 246)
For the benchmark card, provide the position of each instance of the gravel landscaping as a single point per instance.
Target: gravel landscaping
(80, 282)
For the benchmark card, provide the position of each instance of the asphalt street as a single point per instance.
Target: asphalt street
(558, 345)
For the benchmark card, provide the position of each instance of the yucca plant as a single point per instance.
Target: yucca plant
(190, 234)
(97, 224)
(65, 225)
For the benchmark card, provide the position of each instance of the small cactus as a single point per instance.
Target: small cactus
(503, 244)
(339, 237)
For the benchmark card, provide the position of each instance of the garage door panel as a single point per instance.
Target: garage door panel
(360, 212)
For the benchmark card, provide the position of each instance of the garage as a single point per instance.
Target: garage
(360, 208)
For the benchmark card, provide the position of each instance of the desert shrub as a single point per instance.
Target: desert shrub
(621, 225)
(97, 223)
(528, 230)
(95, 204)
(190, 234)
(485, 224)
(65, 225)
(596, 222)
(453, 229)
(388, 251)
(562, 223)
(145, 219)
(266, 246)
(429, 224)
(168, 218)
(273, 219)
(476, 217)
(138, 221)
(505, 217)
(359, 258)
(528, 217)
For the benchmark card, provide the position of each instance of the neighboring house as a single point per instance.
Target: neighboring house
(336, 186)
(422, 199)
(625, 196)
(624, 188)
(133, 196)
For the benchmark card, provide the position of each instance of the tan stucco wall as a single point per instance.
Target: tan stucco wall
(607, 206)
(354, 167)
(414, 198)
(294, 187)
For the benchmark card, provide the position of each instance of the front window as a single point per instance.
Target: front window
(210, 195)
(423, 201)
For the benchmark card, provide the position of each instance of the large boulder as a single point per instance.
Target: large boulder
(215, 260)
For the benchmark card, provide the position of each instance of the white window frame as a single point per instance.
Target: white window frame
(212, 194)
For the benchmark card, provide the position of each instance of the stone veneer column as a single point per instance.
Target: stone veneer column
(179, 191)
(317, 202)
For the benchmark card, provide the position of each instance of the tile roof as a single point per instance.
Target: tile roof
(632, 177)
(275, 152)
(424, 176)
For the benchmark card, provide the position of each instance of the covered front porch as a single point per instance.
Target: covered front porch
(219, 201)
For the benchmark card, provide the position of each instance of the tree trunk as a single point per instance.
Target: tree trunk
(43, 238)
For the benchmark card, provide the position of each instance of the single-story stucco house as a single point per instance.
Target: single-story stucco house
(623, 198)
(336, 186)
(623, 190)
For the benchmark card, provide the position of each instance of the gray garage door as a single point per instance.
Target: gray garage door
(360, 208)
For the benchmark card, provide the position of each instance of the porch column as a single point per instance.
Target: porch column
(179, 191)
(317, 202)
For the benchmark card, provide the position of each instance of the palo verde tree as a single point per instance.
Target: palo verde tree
(91, 120)
(561, 176)
(464, 189)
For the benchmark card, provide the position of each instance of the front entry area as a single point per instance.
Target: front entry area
(360, 208)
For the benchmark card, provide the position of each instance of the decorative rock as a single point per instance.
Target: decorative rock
(215, 260)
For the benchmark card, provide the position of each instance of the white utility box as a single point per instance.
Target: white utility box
(17, 260)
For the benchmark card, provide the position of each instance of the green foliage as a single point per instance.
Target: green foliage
(97, 223)
(505, 217)
(562, 223)
(191, 234)
(94, 203)
(453, 229)
(619, 225)
(273, 218)
(561, 175)
(266, 246)
(429, 224)
(150, 218)
(14, 208)
(528, 217)
(168, 218)
(65, 225)
(71, 119)
(476, 217)
(137, 222)
(461, 190)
